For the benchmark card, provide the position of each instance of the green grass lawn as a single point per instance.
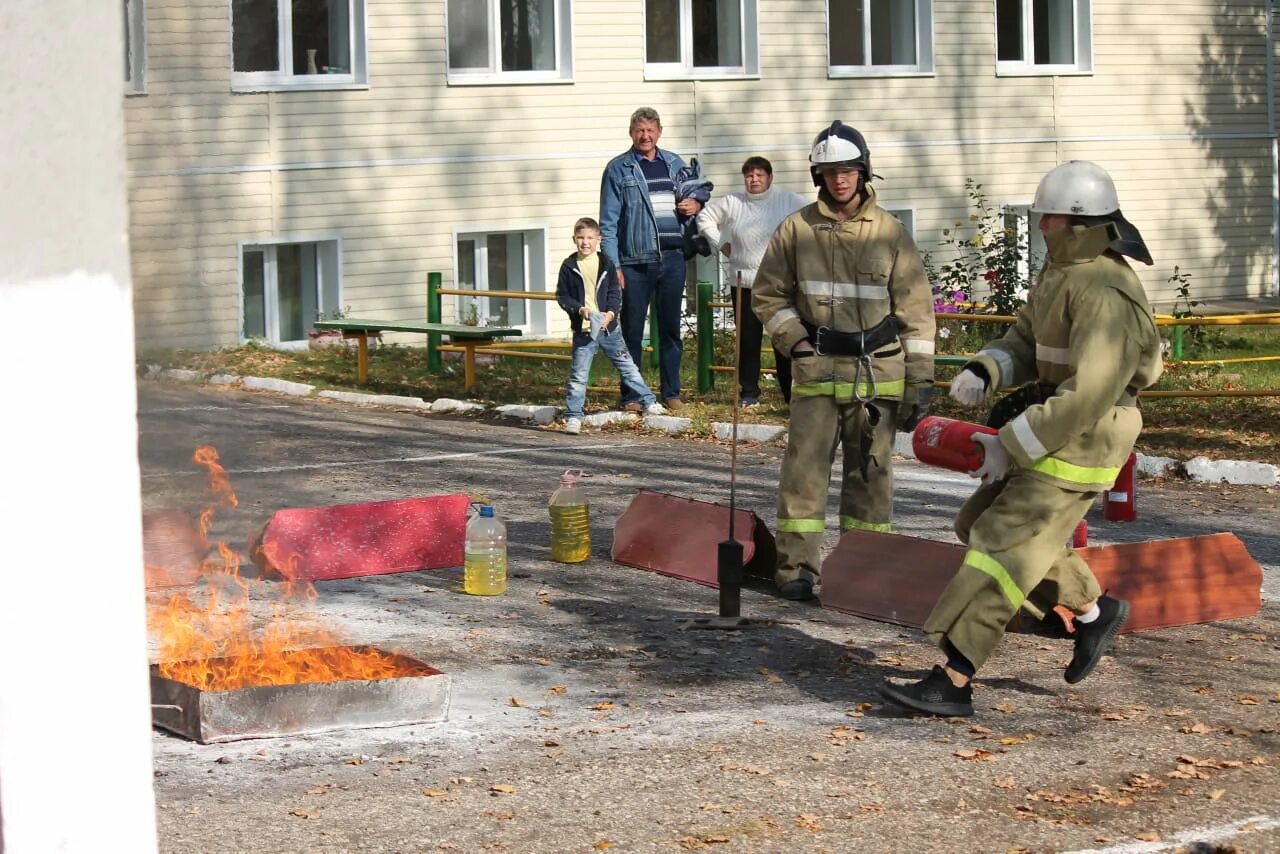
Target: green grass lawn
(1217, 427)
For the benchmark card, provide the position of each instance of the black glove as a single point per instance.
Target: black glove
(911, 412)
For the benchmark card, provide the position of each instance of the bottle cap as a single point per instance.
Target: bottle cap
(486, 511)
(570, 477)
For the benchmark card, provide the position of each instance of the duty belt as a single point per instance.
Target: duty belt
(830, 342)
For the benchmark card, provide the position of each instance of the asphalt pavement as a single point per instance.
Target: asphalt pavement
(586, 716)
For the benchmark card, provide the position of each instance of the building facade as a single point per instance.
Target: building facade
(292, 160)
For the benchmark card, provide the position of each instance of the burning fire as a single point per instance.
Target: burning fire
(211, 639)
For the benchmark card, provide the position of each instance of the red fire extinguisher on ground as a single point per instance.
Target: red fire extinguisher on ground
(1119, 503)
(948, 443)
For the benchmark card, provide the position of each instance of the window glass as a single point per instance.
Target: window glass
(1053, 27)
(468, 34)
(717, 33)
(528, 35)
(846, 32)
(289, 287)
(128, 43)
(662, 30)
(255, 305)
(255, 35)
(320, 37)
(893, 32)
(1009, 30)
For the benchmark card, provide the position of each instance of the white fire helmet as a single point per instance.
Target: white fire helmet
(839, 145)
(1079, 188)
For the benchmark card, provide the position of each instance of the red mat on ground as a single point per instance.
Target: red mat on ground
(680, 537)
(374, 538)
(1176, 582)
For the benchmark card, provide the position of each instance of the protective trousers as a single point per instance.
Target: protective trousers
(1017, 531)
(818, 425)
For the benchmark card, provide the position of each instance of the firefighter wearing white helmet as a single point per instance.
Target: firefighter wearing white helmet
(842, 290)
(1082, 348)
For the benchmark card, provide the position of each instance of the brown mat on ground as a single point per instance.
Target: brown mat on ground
(1176, 582)
(680, 537)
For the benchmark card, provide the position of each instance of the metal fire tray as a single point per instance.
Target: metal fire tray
(271, 711)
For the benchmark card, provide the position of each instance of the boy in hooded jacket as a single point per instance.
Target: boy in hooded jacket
(588, 290)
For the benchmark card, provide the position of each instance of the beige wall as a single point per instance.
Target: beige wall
(1175, 108)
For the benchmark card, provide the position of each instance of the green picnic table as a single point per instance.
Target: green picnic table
(468, 337)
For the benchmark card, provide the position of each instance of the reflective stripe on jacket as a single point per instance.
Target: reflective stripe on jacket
(1087, 329)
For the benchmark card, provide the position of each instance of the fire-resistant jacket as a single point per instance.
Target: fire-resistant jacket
(1087, 329)
(847, 275)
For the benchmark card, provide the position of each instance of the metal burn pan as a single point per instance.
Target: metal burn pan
(270, 711)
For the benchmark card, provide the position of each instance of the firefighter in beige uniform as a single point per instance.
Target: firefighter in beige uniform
(1088, 337)
(842, 290)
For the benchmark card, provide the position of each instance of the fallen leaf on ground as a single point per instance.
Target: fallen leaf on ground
(1217, 793)
(517, 702)
(809, 822)
(1247, 700)
(602, 707)
(1004, 783)
(502, 789)
(603, 845)
(1197, 727)
(317, 790)
(301, 813)
(1005, 708)
(1148, 836)
(556, 689)
(976, 755)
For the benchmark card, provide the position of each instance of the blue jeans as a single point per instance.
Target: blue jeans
(613, 345)
(662, 281)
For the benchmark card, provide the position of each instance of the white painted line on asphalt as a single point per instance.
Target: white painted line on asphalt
(1186, 837)
(206, 408)
(436, 458)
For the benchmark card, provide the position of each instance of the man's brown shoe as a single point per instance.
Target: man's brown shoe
(633, 406)
(674, 403)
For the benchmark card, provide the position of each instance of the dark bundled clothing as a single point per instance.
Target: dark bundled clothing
(690, 184)
(571, 293)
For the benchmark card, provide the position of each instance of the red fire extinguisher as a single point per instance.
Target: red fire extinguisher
(1119, 503)
(948, 443)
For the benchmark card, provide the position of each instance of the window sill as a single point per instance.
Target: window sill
(844, 74)
(1045, 71)
(505, 80)
(308, 86)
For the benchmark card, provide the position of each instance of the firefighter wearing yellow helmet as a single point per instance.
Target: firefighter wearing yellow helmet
(1084, 345)
(842, 290)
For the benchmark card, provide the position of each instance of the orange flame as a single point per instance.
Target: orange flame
(213, 641)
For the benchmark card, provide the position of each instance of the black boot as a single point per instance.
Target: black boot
(935, 694)
(1093, 639)
(797, 589)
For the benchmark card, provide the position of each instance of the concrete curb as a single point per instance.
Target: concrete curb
(1197, 470)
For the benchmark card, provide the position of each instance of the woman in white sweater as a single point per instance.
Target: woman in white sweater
(740, 225)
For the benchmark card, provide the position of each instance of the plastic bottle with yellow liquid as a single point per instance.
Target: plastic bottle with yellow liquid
(570, 520)
(484, 572)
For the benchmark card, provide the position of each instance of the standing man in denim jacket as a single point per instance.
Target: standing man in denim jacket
(643, 238)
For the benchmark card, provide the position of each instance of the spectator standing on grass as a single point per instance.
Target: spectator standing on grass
(1084, 345)
(588, 290)
(642, 237)
(740, 225)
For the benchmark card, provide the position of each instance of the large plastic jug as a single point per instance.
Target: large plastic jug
(570, 520)
(485, 571)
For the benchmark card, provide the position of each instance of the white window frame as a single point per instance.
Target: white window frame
(562, 73)
(924, 47)
(897, 210)
(282, 80)
(135, 13)
(536, 273)
(1028, 225)
(685, 69)
(328, 278)
(1082, 36)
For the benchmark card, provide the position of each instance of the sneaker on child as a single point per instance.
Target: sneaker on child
(655, 408)
(573, 426)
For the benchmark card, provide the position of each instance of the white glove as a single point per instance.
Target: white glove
(968, 388)
(995, 459)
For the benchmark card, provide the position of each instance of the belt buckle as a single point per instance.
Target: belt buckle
(817, 344)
